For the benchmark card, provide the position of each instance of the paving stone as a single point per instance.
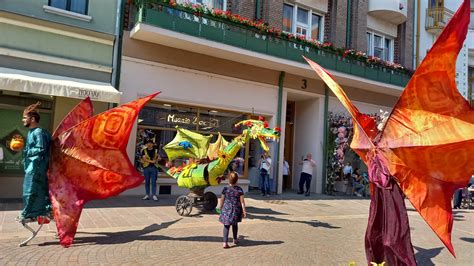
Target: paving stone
(284, 230)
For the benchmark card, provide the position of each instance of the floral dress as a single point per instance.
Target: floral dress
(231, 212)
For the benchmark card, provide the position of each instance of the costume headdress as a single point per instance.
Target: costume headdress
(32, 108)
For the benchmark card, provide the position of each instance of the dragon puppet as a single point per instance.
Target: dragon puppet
(88, 161)
(210, 160)
(423, 151)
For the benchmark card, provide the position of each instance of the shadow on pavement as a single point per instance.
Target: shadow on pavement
(313, 223)
(143, 235)
(169, 200)
(424, 256)
(291, 195)
(116, 237)
(255, 210)
(458, 217)
(467, 239)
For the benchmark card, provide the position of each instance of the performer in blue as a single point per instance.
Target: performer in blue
(36, 155)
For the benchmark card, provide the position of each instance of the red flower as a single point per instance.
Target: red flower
(277, 129)
(265, 124)
(261, 118)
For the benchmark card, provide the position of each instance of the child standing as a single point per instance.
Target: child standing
(232, 205)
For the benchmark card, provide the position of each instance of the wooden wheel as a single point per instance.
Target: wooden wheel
(210, 201)
(184, 205)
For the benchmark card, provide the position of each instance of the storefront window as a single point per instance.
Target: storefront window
(159, 121)
(216, 121)
(12, 128)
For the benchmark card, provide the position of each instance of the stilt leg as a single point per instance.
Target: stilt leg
(25, 222)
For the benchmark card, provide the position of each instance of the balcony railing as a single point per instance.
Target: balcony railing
(214, 29)
(437, 18)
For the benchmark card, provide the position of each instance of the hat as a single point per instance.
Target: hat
(149, 140)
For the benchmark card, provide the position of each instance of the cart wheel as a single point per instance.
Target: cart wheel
(210, 201)
(184, 206)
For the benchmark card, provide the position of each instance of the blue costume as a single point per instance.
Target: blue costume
(35, 185)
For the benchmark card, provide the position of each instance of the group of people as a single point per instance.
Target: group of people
(231, 203)
(264, 166)
(355, 180)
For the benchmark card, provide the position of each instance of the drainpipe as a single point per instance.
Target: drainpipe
(417, 55)
(325, 137)
(279, 108)
(348, 23)
(117, 55)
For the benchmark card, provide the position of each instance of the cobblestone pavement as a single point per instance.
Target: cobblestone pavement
(280, 230)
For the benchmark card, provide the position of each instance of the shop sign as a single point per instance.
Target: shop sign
(177, 119)
(93, 94)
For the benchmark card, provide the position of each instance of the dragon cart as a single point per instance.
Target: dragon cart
(206, 162)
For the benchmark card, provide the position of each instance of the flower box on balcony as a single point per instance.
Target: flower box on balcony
(276, 47)
(187, 23)
(371, 72)
(385, 75)
(295, 51)
(235, 36)
(162, 18)
(256, 36)
(325, 59)
(358, 68)
(396, 78)
(343, 65)
(212, 30)
(257, 42)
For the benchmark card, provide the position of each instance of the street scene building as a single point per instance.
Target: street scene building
(434, 15)
(152, 179)
(250, 72)
(56, 52)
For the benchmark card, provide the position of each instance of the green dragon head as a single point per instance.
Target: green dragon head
(258, 129)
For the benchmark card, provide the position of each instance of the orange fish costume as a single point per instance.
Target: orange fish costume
(89, 161)
(424, 150)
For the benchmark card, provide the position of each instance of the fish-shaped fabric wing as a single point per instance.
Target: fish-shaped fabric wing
(89, 161)
(430, 132)
(428, 140)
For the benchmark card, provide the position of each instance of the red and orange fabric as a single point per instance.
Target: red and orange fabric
(89, 161)
(427, 143)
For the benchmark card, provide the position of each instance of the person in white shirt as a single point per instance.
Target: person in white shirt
(306, 173)
(264, 164)
(347, 170)
(286, 173)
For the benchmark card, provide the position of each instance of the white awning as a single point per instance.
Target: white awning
(45, 84)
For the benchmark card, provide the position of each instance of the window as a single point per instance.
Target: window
(287, 18)
(158, 122)
(218, 4)
(436, 3)
(76, 6)
(315, 22)
(380, 46)
(369, 41)
(301, 21)
(302, 24)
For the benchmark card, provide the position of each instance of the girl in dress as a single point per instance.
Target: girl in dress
(232, 205)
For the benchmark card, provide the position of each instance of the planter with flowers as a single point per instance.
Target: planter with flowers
(258, 33)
